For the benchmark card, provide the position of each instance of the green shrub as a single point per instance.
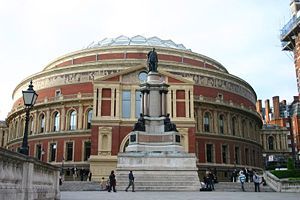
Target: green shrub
(290, 164)
(286, 173)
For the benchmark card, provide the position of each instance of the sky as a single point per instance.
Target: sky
(244, 36)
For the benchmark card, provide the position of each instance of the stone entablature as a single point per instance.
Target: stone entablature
(25, 178)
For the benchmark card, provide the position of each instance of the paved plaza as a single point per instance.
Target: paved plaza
(103, 195)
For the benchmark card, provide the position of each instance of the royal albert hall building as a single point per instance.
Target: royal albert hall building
(89, 100)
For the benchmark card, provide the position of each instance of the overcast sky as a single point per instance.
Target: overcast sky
(241, 35)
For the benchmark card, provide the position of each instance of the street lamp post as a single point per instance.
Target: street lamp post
(29, 98)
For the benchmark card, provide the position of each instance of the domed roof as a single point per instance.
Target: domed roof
(137, 40)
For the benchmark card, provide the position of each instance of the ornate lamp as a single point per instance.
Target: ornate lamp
(29, 98)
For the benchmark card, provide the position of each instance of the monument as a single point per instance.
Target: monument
(154, 153)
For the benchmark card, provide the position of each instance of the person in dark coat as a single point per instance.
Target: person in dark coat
(112, 182)
(131, 181)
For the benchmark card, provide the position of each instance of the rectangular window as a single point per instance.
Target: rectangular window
(237, 155)
(209, 153)
(224, 153)
(57, 93)
(137, 104)
(87, 150)
(52, 151)
(38, 151)
(126, 107)
(180, 103)
(69, 151)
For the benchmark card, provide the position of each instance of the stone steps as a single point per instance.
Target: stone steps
(236, 187)
(159, 186)
(80, 186)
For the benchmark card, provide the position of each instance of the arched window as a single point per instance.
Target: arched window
(233, 125)
(73, 120)
(42, 123)
(206, 122)
(271, 143)
(221, 124)
(89, 119)
(56, 119)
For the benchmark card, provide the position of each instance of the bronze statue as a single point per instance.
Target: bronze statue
(140, 124)
(152, 60)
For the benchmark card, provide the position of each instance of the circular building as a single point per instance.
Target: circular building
(89, 101)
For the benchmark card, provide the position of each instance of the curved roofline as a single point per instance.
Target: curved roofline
(123, 40)
(90, 50)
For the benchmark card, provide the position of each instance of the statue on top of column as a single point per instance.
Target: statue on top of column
(152, 60)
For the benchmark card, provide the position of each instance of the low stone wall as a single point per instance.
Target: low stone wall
(281, 185)
(26, 178)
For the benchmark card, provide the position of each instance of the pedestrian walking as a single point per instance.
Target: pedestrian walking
(131, 181)
(112, 181)
(242, 179)
(256, 180)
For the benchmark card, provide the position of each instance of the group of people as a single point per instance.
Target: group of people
(110, 184)
(255, 178)
(209, 181)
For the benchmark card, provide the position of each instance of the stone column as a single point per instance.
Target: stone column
(186, 100)
(228, 124)
(47, 128)
(35, 122)
(142, 103)
(174, 103)
(117, 102)
(146, 103)
(132, 103)
(80, 116)
(63, 119)
(215, 122)
(163, 103)
(99, 101)
(112, 103)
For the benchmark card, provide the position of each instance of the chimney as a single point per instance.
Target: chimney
(259, 106)
(276, 108)
(267, 110)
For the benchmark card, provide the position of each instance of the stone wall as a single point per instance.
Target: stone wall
(281, 185)
(26, 178)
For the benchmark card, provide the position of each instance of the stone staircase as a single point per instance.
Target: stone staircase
(167, 185)
(80, 186)
(236, 187)
(166, 181)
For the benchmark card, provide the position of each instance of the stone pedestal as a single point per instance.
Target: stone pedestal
(154, 153)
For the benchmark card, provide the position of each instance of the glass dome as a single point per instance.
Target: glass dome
(138, 40)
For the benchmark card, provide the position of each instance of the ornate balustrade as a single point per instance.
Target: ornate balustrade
(23, 177)
(281, 185)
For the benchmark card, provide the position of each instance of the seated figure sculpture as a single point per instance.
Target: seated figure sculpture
(140, 124)
(169, 126)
